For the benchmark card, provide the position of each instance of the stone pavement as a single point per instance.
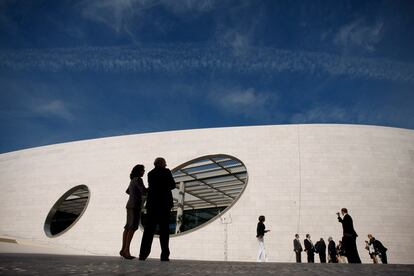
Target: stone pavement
(42, 264)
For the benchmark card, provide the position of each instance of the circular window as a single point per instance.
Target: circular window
(67, 211)
(208, 186)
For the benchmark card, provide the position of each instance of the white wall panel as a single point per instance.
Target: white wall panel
(299, 177)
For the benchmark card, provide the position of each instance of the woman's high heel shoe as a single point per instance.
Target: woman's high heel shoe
(128, 257)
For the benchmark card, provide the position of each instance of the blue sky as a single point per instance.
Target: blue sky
(73, 70)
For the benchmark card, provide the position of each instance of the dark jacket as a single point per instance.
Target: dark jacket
(331, 248)
(348, 226)
(260, 229)
(320, 247)
(378, 246)
(309, 248)
(160, 184)
(297, 247)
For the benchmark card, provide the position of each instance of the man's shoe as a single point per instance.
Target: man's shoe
(165, 259)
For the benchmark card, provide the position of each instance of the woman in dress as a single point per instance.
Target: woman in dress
(136, 190)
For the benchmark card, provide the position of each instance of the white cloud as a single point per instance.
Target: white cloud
(239, 42)
(322, 114)
(53, 108)
(247, 102)
(242, 98)
(115, 14)
(122, 15)
(185, 58)
(359, 34)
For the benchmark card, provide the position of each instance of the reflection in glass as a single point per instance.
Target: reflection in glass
(207, 186)
(67, 210)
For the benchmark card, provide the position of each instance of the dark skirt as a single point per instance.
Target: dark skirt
(133, 216)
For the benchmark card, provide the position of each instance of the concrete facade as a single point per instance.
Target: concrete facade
(299, 176)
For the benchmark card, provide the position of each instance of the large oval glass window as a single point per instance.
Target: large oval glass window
(67, 211)
(208, 186)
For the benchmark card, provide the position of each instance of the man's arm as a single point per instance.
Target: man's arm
(171, 181)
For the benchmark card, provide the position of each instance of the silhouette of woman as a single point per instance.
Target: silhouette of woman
(136, 190)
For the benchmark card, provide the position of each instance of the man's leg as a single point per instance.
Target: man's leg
(384, 258)
(164, 224)
(147, 237)
(349, 250)
(298, 257)
(355, 251)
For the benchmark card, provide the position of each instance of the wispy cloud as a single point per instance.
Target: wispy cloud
(54, 108)
(183, 58)
(359, 34)
(247, 102)
(122, 15)
(322, 114)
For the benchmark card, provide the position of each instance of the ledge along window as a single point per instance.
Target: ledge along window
(207, 187)
(67, 211)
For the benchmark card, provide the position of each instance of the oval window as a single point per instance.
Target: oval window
(208, 186)
(67, 211)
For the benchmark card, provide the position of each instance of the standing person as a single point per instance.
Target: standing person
(332, 251)
(341, 253)
(320, 248)
(371, 251)
(309, 249)
(379, 248)
(349, 237)
(159, 204)
(136, 190)
(297, 247)
(260, 232)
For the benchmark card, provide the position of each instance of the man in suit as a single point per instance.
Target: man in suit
(320, 248)
(379, 248)
(297, 247)
(159, 204)
(309, 249)
(332, 251)
(349, 237)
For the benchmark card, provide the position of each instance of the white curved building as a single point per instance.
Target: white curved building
(298, 176)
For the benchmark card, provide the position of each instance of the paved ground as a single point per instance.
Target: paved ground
(42, 264)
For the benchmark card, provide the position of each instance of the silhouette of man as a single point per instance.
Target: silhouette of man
(349, 237)
(332, 251)
(379, 248)
(320, 248)
(159, 204)
(297, 247)
(309, 249)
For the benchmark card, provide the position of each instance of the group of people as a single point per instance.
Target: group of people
(158, 205)
(345, 251)
(319, 247)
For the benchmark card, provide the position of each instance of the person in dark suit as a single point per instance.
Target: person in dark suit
(332, 251)
(379, 248)
(309, 249)
(320, 248)
(159, 204)
(349, 237)
(297, 247)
